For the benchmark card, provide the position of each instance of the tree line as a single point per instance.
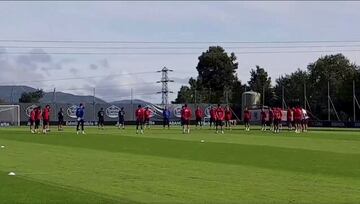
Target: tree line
(217, 82)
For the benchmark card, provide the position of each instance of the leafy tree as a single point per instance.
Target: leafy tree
(184, 95)
(261, 82)
(293, 88)
(31, 97)
(339, 72)
(216, 77)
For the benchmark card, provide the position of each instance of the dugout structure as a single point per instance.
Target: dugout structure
(9, 115)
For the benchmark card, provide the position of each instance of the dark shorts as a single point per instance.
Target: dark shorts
(139, 122)
(297, 121)
(276, 121)
(31, 122)
(270, 121)
(186, 122)
(289, 122)
(198, 119)
(263, 122)
(37, 123)
(101, 120)
(46, 121)
(61, 121)
(212, 120)
(304, 121)
(246, 120)
(147, 120)
(219, 123)
(121, 120)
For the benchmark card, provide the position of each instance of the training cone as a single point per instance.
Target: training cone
(11, 174)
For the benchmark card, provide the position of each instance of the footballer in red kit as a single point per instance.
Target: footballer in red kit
(228, 117)
(277, 119)
(247, 118)
(46, 119)
(263, 120)
(271, 118)
(220, 116)
(199, 115)
(32, 120)
(147, 116)
(297, 119)
(140, 117)
(289, 117)
(212, 116)
(186, 115)
(37, 118)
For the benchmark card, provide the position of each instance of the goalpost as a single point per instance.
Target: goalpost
(9, 115)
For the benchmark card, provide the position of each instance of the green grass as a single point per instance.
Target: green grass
(166, 166)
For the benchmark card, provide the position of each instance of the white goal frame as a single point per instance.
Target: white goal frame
(10, 107)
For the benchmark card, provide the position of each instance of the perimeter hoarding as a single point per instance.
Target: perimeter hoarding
(111, 111)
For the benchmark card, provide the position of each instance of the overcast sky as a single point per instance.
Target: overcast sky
(115, 74)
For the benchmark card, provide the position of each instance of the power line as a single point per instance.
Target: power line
(77, 78)
(171, 53)
(177, 42)
(114, 87)
(172, 47)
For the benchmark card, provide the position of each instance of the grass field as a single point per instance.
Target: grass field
(166, 166)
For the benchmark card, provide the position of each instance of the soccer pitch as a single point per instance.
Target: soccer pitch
(166, 166)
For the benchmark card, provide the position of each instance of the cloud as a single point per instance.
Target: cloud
(14, 74)
(114, 88)
(33, 59)
(104, 63)
(74, 71)
(181, 80)
(93, 67)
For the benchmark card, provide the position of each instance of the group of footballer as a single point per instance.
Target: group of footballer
(38, 115)
(219, 117)
(295, 117)
(143, 116)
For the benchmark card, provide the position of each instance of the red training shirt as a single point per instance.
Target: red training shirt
(247, 115)
(220, 114)
(199, 113)
(46, 114)
(187, 113)
(147, 113)
(32, 115)
(140, 114)
(228, 115)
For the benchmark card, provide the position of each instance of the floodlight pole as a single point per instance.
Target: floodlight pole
(195, 96)
(54, 95)
(131, 96)
(329, 117)
(282, 97)
(263, 96)
(305, 98)
(227, 97)
(94, 104)
(12, 95)
(354, 101)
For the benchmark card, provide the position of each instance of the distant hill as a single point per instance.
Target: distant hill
(11, 94)
(135, 101)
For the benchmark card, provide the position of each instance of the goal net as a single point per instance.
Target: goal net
(9, 115)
